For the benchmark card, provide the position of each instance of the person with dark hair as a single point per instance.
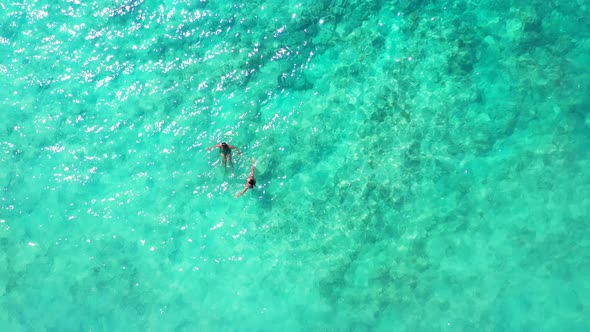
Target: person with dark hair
(250, 183)
(225, 152)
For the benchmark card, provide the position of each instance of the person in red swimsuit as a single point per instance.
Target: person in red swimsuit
(250, 183)
(225, 152)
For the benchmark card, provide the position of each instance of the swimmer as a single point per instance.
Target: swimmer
(250, 183)
(225, 152)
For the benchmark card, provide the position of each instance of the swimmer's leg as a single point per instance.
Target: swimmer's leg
(231, 163)
(223, 159)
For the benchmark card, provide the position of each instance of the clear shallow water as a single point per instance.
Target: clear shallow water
(420, 166)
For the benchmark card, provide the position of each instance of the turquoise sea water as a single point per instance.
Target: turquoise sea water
(421, 165)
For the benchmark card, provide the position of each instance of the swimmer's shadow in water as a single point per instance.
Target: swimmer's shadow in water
(265, 200)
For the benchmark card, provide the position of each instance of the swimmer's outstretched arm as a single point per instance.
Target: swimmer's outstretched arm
(243, 191)
(214, 146)
(252, 170)
(233, 147)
